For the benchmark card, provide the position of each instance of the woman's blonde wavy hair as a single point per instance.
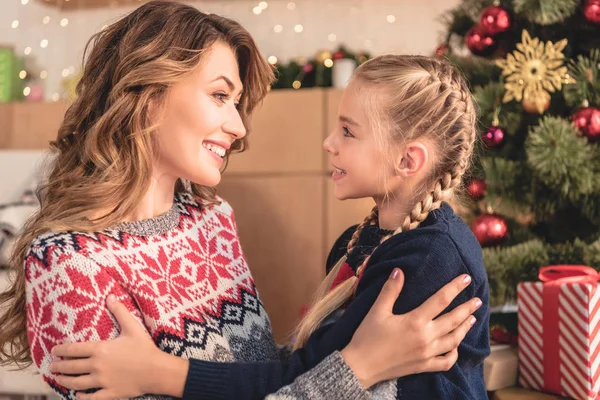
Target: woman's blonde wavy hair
(105, 145)
(406, 98)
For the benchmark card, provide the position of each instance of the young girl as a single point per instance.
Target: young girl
(405, 137)
(129, 210)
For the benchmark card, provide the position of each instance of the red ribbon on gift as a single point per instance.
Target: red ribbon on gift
(553, 277)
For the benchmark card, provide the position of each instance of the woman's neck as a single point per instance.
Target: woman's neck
(157, 200)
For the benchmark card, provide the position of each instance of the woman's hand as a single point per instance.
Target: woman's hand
(387, 346)
(128, 366)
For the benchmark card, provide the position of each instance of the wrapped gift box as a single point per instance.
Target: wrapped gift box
(500, 367)
(558, 332)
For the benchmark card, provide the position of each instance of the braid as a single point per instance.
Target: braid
(427, 98)
(369, 220)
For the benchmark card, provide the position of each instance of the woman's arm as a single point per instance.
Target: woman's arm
(65, 303)
(256, 380)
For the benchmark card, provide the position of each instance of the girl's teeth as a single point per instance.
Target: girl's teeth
(340, 171)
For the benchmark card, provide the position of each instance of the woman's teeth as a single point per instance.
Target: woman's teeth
(340, 171)
(218, 150)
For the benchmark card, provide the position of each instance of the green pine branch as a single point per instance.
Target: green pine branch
(560, 158)
(546, 12)
(489, 98)
(587, 80)
(591, 254)
(507, 184)
(477, 70)
(507, 266)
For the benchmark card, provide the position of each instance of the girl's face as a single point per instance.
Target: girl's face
(353, 152)
(200, 119)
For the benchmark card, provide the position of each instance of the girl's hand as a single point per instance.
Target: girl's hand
(128, 366)
(387, 346)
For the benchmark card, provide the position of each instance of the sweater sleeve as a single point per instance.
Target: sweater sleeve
(66, 293)
(330, 379)
(440, 260)
(420, 263)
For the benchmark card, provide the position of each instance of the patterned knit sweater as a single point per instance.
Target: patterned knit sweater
(183, 274)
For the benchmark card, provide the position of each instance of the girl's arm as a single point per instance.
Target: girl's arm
(372, 356)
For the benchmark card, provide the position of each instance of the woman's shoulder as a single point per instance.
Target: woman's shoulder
(52, 247)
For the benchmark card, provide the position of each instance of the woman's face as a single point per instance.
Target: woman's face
(200, 119)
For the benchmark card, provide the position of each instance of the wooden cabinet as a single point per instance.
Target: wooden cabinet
(280, 190)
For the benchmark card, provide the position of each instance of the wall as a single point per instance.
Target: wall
(360, 24)
(280, 189)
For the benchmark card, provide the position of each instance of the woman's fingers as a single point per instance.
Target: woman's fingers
(82, 382)
(450, 321)
(441, 363)
(124, 317)
(71, 367)
(75, 350)
(452, 340)
(389, 293)
(437, 303)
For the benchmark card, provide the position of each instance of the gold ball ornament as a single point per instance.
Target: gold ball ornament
(536, 105)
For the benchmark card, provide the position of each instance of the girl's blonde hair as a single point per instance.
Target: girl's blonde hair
(406, 98)
(105, 146)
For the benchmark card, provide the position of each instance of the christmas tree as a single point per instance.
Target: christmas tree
(534, 191)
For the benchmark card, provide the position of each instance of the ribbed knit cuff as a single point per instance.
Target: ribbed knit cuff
(206, 380)
(335, 374)
(331, 379)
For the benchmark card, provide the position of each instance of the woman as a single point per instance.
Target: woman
(129, 207)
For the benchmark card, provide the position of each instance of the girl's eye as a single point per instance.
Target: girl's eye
(347, 132)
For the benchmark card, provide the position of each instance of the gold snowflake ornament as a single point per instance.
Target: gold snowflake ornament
(533, 70)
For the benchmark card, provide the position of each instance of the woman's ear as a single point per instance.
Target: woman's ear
(413, 158)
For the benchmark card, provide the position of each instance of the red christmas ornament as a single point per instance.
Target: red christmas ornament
(494, 20)
(307, 68)
(442, 50)
(338, 55)
(489, 229)
(587, 120)
(591, 10)
(480, 42)
(494, 137)
(477, 188)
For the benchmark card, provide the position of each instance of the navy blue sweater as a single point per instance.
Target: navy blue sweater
(433, 254)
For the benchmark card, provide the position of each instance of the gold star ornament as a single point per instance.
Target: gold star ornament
(534, 70)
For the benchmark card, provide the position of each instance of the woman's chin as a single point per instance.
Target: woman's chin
(209, 180)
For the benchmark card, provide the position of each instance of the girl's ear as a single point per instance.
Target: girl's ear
(413, 159)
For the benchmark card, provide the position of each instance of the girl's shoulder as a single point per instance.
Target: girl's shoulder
(443, 242)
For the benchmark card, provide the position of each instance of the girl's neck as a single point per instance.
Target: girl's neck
(392, 212)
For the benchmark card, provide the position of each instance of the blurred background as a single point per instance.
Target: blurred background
(532, 198)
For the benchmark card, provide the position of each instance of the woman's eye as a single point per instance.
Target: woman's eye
(347, 133)
(222, 97)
